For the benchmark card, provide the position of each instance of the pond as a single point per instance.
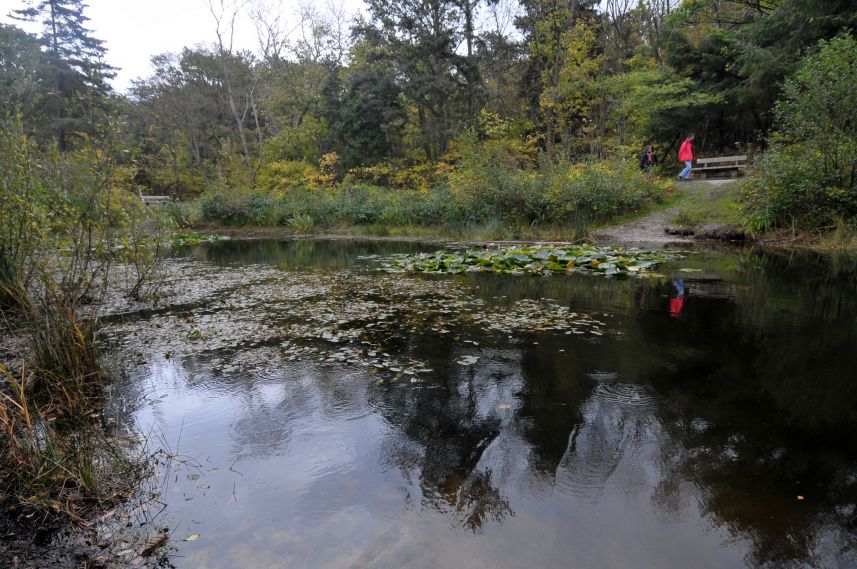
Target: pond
(322, 413)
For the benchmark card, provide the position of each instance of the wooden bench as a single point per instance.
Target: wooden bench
(731, 165)
(155, 200)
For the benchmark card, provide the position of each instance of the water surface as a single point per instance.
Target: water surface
(367, 420)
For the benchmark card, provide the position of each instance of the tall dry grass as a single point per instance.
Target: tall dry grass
(55, 457)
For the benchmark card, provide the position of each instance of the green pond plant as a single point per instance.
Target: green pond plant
(190, 238)
(542, 259)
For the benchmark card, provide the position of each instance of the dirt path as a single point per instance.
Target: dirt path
(649, 231)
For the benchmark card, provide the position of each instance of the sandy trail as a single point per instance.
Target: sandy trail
(649, 231)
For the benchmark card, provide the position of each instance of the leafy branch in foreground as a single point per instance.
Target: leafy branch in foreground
(538, 260)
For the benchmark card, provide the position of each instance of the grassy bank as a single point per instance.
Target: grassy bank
(690, 205)
(65, 224)
(475, 232)
(700, 203)
(57, 460)
(478, 202)
(706, 202)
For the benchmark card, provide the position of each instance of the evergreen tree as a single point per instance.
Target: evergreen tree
(20, 88)
(366, 114)
(421, 37)
(741, 52)
(73, 63)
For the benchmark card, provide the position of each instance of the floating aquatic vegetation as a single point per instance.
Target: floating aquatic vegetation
(249, 320)
(537, 259)
(536, 316)
(184, 238)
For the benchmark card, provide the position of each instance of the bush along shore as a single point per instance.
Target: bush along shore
(66, 233)
(475, 200)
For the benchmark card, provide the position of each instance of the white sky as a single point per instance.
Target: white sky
(135, 30)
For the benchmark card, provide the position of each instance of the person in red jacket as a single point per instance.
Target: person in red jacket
(686, 155)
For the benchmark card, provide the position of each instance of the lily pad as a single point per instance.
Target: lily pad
(468, 360)
(537, 259)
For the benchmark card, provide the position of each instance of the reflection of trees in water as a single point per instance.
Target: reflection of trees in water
(553, 390)
(764, 404)
(441, 434)
(301, 253)
(300, 397)
(478, 501)
(760, 406)
(553, 430)
(753, 490)
(263, 429)
(611, 441)
(272, 406)
(760, 401)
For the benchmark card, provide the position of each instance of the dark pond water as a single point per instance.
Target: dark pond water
(713, 428)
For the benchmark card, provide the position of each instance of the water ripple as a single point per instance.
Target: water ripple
(626, 394)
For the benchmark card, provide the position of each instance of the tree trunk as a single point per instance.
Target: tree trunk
(58, 82)
(239, 122)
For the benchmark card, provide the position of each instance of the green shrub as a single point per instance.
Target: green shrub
(259, 209)
(601, 190)
(314, 203)
(24, 208)
(301, 223)
(180, 214)
(238, 208)
(283, 175)
(788, 189)
(488, 180)
(213, 205)
(808, 176)
(492, 181)
(490, 187)
(358, 205)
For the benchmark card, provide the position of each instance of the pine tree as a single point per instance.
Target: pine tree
(74, 65)
(421, 39)
(20, 56)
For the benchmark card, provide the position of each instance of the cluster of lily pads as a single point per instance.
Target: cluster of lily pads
(537, 259)
(184, 238)
(253, 319)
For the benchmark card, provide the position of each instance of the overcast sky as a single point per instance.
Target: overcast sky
(134, 30)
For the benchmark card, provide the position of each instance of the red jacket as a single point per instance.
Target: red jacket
(686, 152)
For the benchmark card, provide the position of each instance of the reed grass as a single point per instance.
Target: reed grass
(56, 458)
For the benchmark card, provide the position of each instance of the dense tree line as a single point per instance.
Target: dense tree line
(403, 83)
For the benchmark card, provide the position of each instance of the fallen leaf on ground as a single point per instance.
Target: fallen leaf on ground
(154, 544)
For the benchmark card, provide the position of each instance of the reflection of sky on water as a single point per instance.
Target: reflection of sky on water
(638, 449)
(335, 471)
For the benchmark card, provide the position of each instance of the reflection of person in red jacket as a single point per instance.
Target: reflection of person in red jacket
(686, 155)
(677, 302)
